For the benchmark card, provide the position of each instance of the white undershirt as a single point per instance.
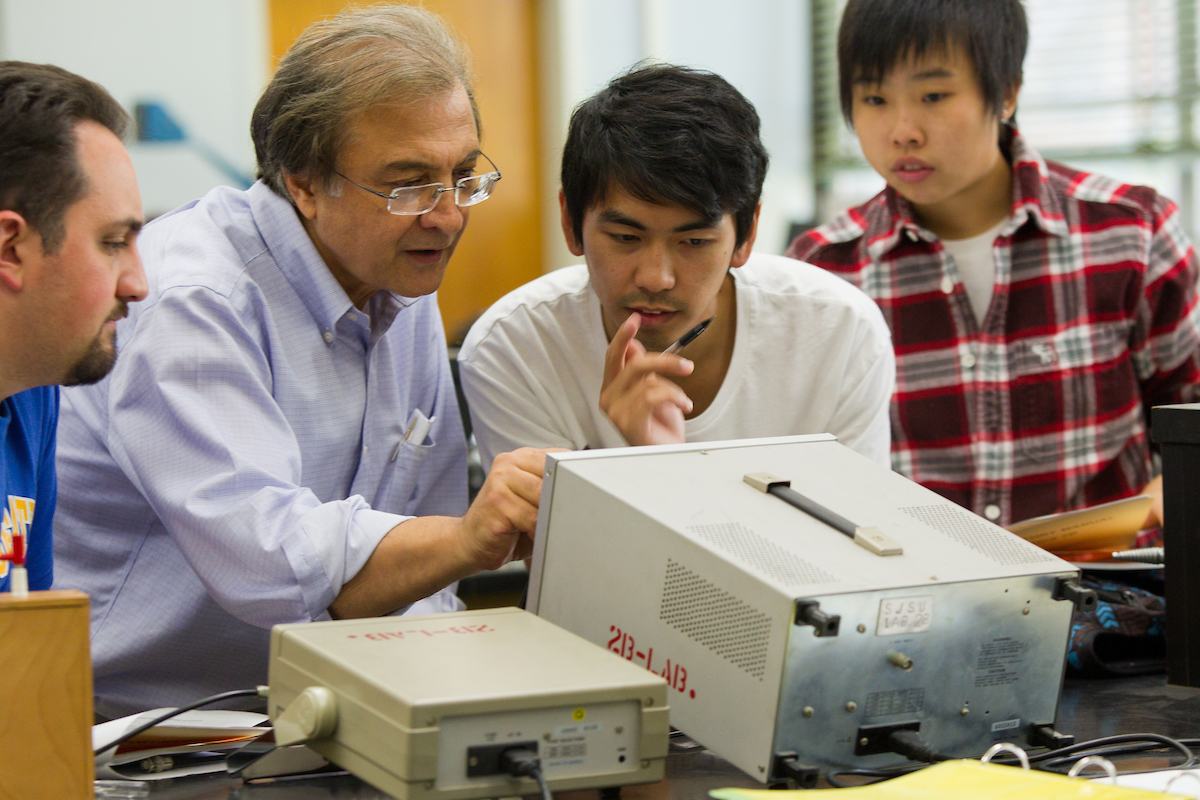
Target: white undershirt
(976, 267)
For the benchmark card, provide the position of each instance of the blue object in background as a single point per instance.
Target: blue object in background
(155, 124)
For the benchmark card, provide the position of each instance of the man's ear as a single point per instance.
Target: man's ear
(568, 227)
(16, 239)
(301, 190)
(742, 253)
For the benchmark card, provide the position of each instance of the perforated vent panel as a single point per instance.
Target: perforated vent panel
(716, 619)
(968, 529)
(761, 553)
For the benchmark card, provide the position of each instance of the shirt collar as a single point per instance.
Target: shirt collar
(884, 225)
(293, 251)
(1032, 195)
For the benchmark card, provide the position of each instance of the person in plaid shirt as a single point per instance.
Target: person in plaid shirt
(1037, 312)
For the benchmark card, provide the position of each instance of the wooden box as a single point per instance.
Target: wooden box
(46, 701)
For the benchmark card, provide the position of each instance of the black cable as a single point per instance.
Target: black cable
(216, 698)
(1108, 745)
(883, 773)
(909, 744)
(524, 762)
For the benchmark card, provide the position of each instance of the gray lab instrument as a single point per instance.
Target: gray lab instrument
(796, 640)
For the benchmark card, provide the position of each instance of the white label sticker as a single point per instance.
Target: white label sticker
(904, 615)
(1007, 725)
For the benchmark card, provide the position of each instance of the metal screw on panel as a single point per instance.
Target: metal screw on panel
(808, 711)
(761, 768)
(645, 764)
(649, 701)
(864, 741)
(619, 729)
(472, 762)
(851, 705)
(862, 628)
(1025, 610)
(965, 711)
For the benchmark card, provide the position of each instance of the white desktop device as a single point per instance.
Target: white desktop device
(425, 706)
(785, 641)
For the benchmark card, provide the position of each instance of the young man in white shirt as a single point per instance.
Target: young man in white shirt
(661, 178)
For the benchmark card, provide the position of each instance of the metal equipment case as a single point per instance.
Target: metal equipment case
(784, 641)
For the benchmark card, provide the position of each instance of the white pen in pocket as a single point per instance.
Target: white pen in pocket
(689, 337)
(417, 430)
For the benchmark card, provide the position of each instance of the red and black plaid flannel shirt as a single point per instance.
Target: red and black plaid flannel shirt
(1094, 319)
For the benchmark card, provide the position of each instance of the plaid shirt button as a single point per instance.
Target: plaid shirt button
(992, 511)
(968, 360)
(947, 285)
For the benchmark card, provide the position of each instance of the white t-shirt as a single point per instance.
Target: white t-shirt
(976, 267)
(812, 354)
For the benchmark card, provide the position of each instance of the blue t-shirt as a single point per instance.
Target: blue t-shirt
(28, 488)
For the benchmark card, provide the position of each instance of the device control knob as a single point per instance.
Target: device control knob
(312, 715)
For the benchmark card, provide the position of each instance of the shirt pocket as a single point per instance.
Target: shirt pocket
(1063, 387)
(401, 475)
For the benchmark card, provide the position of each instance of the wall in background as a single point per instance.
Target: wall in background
(206, 63)
(760, 46)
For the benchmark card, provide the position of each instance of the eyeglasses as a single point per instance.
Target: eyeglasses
(411, 201)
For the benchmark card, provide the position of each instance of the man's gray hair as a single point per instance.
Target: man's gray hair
(339, 66)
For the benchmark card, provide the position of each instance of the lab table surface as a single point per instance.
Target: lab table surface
(1088, 709)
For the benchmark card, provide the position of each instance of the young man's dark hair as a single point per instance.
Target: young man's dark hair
(40, 175)
(667, 134)
(875, 35)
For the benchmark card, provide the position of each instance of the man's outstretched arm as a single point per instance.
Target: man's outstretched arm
(424, 554)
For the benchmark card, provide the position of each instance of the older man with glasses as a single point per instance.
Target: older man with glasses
(280, 441)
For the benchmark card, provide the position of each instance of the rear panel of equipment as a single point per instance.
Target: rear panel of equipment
(968, 664)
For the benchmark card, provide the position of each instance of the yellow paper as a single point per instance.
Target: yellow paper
(958, 780)
(1109, 526)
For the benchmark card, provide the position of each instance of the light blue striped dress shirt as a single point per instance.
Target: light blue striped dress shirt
(247, 453)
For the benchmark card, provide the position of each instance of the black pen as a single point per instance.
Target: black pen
(690, 336)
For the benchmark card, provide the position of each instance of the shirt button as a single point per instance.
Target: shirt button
(350, 315)
(947, 285)
(968, 360)
(992, 511)
(328, 337)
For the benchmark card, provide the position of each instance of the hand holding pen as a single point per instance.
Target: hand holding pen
(637, 393)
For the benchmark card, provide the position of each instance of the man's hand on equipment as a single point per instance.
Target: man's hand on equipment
(499, 525)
